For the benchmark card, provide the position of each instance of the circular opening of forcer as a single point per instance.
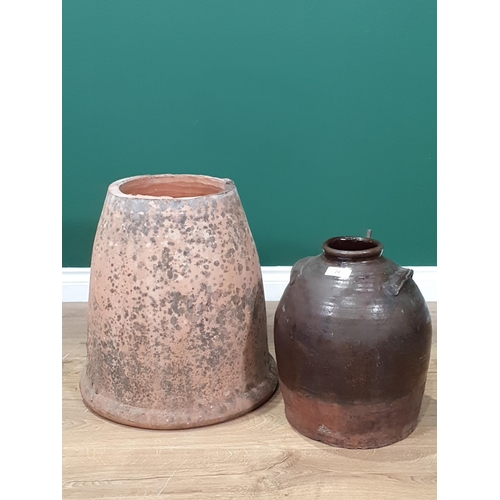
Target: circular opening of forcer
(173, 186)
(351, 247)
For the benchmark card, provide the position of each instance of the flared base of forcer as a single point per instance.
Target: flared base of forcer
(183, 418)
(355, 426)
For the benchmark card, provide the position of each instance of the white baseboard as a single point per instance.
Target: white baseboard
(75, 282)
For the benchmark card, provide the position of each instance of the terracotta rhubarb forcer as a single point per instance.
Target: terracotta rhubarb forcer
(353, 338)
(176, 322)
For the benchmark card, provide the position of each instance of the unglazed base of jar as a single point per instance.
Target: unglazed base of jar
(181, 418)
(354, 426)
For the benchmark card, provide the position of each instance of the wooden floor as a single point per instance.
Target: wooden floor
(256, 456)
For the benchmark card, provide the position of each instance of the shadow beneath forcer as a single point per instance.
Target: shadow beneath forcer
(275, 400)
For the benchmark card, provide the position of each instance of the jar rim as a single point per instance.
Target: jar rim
(352, 248)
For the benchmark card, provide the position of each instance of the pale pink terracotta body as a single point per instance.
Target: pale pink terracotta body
(176, 323)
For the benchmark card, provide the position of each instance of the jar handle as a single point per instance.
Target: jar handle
(394, 284)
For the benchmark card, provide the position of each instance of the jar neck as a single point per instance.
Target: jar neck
(351, 248)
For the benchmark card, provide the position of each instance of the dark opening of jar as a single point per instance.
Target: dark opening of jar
(352, 248)
(174, 186)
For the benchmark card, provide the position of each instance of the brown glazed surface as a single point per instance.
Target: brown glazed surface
(352, 346)
(176, 323)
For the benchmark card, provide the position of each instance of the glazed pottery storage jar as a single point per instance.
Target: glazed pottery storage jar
(176, 322)
(353, 339)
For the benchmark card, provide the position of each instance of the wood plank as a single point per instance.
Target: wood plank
(256, 456)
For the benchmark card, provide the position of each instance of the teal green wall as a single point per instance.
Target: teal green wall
(322, 112)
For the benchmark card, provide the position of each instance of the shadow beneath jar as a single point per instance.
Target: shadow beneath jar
(428, 410)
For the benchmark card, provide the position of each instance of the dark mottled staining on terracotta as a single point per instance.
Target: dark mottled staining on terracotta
(177, 288)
